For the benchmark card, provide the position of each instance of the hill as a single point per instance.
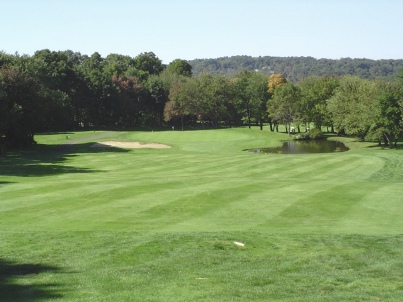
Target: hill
(296, 68)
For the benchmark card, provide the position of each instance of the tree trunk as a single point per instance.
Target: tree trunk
(386, 139)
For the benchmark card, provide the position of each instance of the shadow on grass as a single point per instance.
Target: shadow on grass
(5, 182)
(44, 160)
(10, 290)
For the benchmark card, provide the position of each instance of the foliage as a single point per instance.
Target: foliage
(312, 134)
(180, 67)
(316, 134)
(65, 90)
(250, 93)
(23, 106)
(284, 106)
(315, 91)
(353, 106)
(386, 125)
(181, 98)
(258, 94)
(275, 80)
(148, 62)
(296, 69)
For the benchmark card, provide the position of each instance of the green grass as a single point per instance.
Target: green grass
(79, 223)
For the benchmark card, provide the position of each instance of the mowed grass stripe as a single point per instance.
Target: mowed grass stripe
(376, 212)
(160, 225)
(97, 197)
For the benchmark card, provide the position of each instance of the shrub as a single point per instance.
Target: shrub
(313, 134)
(316, 134)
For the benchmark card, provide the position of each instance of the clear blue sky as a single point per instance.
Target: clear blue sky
(188, 29)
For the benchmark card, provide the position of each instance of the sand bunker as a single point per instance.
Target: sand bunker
(130, 145)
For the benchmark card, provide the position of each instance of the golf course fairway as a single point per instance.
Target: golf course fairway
(199, 220)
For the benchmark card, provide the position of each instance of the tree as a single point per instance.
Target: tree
(258, 94)
(211, 98)
(399, 76)
(275, 80)
(102, 106)
(4, 114)
(182, 96)
(23, 108)
(284, 106)
(240, 85)
(131, 101)
(94, 62)
(118, 65)
(315, 93)
(156, 99)
(148, 62)
(181, 67)
(388, 116)
(353, 107)
(61, 86)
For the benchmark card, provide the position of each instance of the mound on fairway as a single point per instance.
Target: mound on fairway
(130, 145)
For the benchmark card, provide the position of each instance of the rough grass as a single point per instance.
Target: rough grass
(108, 224)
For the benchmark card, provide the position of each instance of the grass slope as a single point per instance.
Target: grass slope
(106, 224)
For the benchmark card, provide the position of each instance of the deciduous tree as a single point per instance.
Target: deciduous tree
(284, 106)
(353, 107)
(315, 92)
(181, 67)
(148, 62)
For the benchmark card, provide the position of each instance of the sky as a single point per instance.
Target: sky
(201, 29)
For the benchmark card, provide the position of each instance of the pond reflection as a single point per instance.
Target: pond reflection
(302, 147)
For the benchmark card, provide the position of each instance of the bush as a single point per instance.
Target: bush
(313, 134)
(316, 134)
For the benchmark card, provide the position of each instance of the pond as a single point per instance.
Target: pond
(303, 147)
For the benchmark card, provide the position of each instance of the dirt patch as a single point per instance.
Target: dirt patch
(130, 145)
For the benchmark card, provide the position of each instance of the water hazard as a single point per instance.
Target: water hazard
(303, 147)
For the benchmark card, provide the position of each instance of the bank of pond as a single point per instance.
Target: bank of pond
(304, 147)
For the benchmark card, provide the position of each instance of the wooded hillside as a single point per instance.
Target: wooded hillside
(298, 68)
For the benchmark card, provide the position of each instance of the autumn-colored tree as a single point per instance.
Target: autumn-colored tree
(179, 100)
(275, 80)
(132, 97)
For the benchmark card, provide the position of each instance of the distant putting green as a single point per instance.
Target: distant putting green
(200, 221)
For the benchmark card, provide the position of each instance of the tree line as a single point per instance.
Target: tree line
(65, 90)
(296, 69)
(369, 109)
